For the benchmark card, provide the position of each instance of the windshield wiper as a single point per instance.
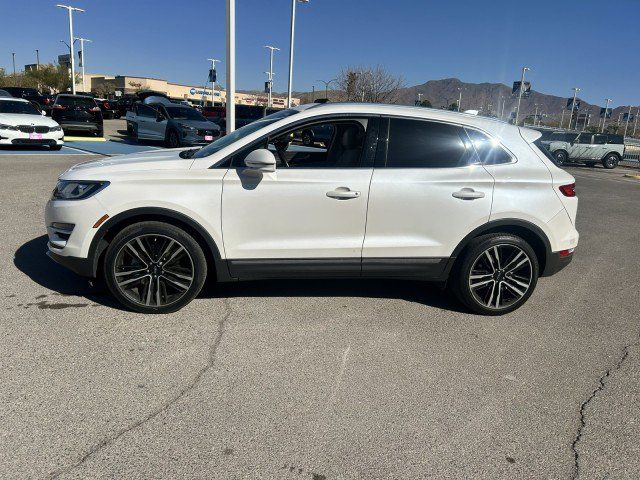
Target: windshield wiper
(188, 153)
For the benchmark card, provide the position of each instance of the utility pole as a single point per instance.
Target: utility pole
(573, 106)
(626, 125)
(82, 58)
(604, 117)
(13, 54)
(213, 79)
(70, 10)
(524, 69)
(231, 66)
(291, 37)
(270, 74)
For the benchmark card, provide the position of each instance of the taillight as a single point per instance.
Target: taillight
(46, 101)
(106, 105)
(568, 190)
(94, 109)
(566, 253)
(59, 107)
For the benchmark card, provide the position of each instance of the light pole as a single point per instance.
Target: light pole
(291, 36)
(213, 81)
(13, 54)
(524, 69)
(626, 125)
(459, 98)
(231, 66)
(270, 73)
(326, 86)
(82, 58)
(635, 122)
(573, 106)
(37, 59)
(535, 115)
(604, 117)
(70, 10)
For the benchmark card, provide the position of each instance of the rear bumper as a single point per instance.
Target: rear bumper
(555, 262)
(84, 126)
(81, 266)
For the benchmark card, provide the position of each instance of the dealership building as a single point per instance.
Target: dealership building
(125, 84)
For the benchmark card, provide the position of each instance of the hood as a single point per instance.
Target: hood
(147, 161)
(26, 119)
(200, 124)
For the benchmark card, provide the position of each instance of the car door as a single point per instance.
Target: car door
(145, 116)
(308, 217)
(581, 147)
(428, 191)
(157, 126)
(599, 148)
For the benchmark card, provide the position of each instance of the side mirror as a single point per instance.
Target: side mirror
(43, 113)
(261, 160)
(160, 117)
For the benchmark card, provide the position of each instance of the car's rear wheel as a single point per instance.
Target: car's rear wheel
(154, 267)
(497, 275)
(610, 161)
(561, 157)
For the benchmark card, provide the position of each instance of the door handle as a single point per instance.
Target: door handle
(467, 194)
(343, 193)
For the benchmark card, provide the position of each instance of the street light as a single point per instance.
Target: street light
(13, 54)
(70, 10)
(604, 117)
(573, 105)
(37, 59)
(82, 58)
(459, 98)
(535, 115)
(270, 73)
(291, 36)
(626, 125)
(231, 66)
(213, 79)
(524, 69)
(326, 86)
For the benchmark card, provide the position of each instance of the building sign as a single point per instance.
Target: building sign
(526, 89)
(196, 91)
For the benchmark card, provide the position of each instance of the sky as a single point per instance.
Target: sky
(591, 44)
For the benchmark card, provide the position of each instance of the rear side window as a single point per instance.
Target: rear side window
(146, 111)
(619, 139)
(600, 139)
(423, 144)
(489, 151)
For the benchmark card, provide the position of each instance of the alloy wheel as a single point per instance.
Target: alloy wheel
(500, 276)
(153, 270)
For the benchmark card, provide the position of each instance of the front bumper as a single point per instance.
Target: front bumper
(13, 137)
(194, 138)
(81, 266)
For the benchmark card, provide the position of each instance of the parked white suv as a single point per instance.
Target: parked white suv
(400, 192)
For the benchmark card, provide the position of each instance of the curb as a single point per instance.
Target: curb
(84, 139)
(631, 175)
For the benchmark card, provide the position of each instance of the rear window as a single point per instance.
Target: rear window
(76, 102)
(619, 139)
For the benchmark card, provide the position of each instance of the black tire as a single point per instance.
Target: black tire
(610, 161)
(307, 138)
(561, 157)
(55, 147)
(173, 139)
(130, 129)
(154, 281)
(481, 298)
(100, 133)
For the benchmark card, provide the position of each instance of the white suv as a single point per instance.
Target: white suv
(401, 192)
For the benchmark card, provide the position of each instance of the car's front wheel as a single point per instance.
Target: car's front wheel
(610, 161)
(154, 267)
(561, 157)
(173, 140)
(497, 275)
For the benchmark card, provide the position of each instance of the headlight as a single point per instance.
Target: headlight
(7, 127)
(57, 128)
(76, 190)
(188, 127)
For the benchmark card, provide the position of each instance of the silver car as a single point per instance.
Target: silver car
(587, 148)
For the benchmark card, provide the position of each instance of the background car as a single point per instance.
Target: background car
(174, 124)
(78, 113)
(40, 100)
(21, 123)
(108, 107)
(4, 93)
(588, 148)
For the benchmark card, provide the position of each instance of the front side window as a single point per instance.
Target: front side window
(425, 144)
(488, 149)
(146, 111)
(584, 138)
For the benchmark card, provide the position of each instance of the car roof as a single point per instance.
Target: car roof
(74, 96)
(492, 126)
(12, 99)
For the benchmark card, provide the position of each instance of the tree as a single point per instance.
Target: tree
(369, 84)
(424, 103)
(453, 106)
(103, 90)
(54, 77)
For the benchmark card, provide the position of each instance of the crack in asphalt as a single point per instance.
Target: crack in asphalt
(600, 387)
(105, 442)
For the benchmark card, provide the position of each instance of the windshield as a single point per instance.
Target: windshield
(239, 134)
(18, 107)
(184, 113)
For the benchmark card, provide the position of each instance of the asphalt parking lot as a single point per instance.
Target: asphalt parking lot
(320, 380)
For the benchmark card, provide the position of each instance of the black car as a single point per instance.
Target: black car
(78, 113)
(107, 106)
(41, 101)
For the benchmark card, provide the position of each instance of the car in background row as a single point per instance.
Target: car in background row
(174, 124)
(245, 114)
(78, 113)
(585, 147)
(108, 107)
(41, 101)
(21, 123)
